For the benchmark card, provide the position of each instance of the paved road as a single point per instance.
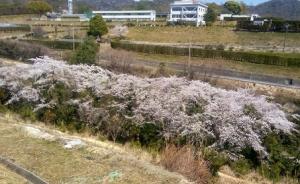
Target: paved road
(228, 74)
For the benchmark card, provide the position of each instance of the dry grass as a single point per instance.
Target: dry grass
(227, 176)
(184, 161)
(92, 164)
(8, 177)
(210, 35)
(225, 64)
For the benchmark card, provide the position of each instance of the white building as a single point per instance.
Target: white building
(231, 16)
(70, 7)
(139, 15)
(188, 11)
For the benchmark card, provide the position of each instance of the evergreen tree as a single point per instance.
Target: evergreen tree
(210, 16)
(86, 53)
(97, 26)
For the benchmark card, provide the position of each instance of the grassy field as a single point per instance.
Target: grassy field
(210, 35)
(97, 162)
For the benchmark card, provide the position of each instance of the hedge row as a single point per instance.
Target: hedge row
(16, 28)
(55, 44)
(60, 25)
(12, 9)
(274, 26)
(252, 57)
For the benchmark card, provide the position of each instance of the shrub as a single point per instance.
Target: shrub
(284, 155)
(221, 47)
(20, 50)
(184, 161)
(241, 166)
(160, 71)
(114, 127)
(119, 60)
(86, 53)
(4, 95)
(208, 47)
(38, 32)
(150, 136)
(3, 108)
(24, 108)
(216, 160)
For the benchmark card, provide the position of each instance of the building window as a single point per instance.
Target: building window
(177, 9)
(175, 16)
(191, 8)
(190, 15)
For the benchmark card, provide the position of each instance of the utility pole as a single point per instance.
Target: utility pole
(189, 61)
(285, 35)
(73, 37)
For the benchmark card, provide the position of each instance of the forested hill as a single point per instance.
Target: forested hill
(286, 9)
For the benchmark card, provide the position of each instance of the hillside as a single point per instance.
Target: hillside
(286, 9)
(57, 157)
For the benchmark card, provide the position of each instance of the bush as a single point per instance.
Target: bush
(221, 47)
(38, 32)
(24, 108)
(184, 161)
(216, 160)
(241, 166)
(86, 53)
(284, 155)
(20, 50)
(4, 95)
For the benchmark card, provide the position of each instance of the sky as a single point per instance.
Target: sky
(249, 2)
